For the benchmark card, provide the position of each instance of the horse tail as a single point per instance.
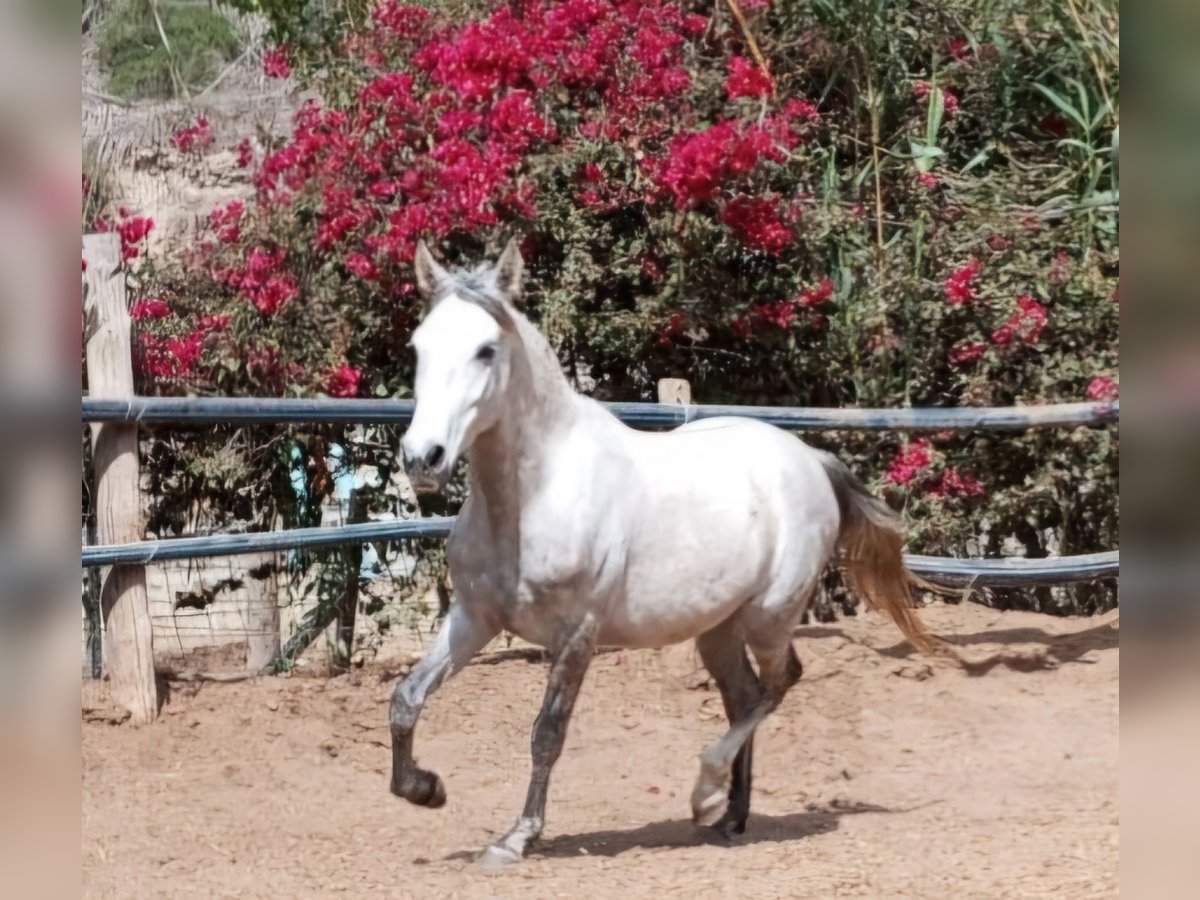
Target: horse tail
(869, 545)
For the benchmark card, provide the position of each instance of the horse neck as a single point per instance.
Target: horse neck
(507, 462)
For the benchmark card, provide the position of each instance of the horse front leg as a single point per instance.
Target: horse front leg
(462, 635)
(549, 732)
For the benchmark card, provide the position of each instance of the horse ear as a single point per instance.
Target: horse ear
(430, 276)
(509, 269)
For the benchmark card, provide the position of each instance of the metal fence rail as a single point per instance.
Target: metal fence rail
(1020, 572)
(983, 572)
(248, 411)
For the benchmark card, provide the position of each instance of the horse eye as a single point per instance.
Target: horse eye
(486, 353)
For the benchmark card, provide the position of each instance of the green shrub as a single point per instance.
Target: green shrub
(943, 233)
(137, 61)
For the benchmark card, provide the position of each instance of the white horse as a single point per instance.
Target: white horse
(580, 531)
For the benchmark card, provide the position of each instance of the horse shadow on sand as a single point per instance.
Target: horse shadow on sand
(675, 834)
(1024, 649)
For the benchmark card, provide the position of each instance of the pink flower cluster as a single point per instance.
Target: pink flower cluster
(817, 296)
(276, 63)
(245, 153)
(780, 314)
(962, 284)
(758, 224)
(442, 138)
(132, 230)
(952, 483)
(670, 332)
(1024, 325)
(913, 466)
(957, 47)
(264, 280)
(746, 79)
(226, 220)
(169, 358)
(153, 308)
(195, 138)
(966, 352)
(697, 164)
(922, 89)
(343, 381)
(910, 462)
(1103, 388)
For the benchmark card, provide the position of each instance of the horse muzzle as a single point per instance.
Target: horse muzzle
(428, 468)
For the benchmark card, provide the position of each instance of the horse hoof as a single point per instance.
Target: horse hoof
(424, 789)
(708, 810)
(496, 858)
(727, 826)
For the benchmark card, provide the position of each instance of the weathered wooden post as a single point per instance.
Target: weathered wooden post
(675, 391)
(127, 641)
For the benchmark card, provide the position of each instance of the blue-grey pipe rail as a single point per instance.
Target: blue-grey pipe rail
(1015, 572)
(257, 411)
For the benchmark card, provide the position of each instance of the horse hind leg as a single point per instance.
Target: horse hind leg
(721, 797)
(725, 765)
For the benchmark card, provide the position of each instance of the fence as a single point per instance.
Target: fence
(115, 415)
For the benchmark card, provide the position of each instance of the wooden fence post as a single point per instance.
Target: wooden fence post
(262, 618)
(128, 648)
(675, 391)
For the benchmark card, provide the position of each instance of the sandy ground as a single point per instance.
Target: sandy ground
(880, 776)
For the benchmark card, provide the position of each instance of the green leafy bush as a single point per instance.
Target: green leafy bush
(137, 60)
(902, 204)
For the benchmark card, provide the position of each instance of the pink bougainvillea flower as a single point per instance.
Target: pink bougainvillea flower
(226, 221)
(962, 284)
(950, 105)
(673, 328)
(758, 224)
(195, 138)
(1061, 266)
(746, 79)
(245, 154)
(131, 229)
(360, 265)
(952, 483)
(214, 323)
(1025, 325)
(652, 269)
(1103, 388)
(957, 47)
(400, 19)
(153, 308)
(910, 462)
(276, 63)
(277, 291)
(186, 351)
(696, 163)
(966, 352)
(817, 296)
(779, 314)
(343, 382)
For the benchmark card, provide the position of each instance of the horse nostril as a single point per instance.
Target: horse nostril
(435, 456)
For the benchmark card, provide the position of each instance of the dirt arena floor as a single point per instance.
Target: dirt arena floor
(881, 776)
